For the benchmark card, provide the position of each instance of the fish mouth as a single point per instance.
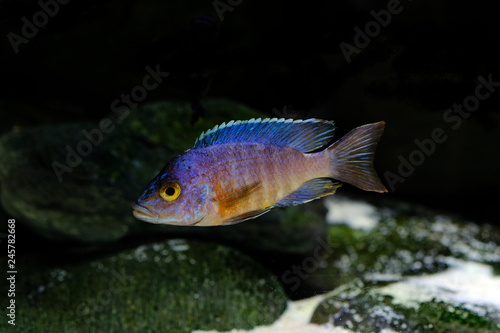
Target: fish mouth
(144, 214)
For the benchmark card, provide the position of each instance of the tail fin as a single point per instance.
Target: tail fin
(352, 157)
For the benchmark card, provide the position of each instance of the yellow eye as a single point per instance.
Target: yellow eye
(170, 191)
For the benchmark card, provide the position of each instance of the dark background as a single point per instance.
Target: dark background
(282, 58)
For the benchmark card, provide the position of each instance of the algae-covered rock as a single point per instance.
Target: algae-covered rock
(173, 286)
(78, 181)
(400, 240)
(370, 308)
(400, 267)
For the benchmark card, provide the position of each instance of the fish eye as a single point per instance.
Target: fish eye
(170, 191)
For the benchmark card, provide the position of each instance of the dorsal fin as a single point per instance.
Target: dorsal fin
(304, 135)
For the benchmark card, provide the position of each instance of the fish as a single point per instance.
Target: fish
(243, 169)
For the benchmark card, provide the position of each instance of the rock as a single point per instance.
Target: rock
(50, 186)
(403, 268)
(370, 308)
(400, 240)
(294, 320)
(172, 286)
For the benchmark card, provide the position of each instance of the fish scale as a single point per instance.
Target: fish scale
(240, 170)
(252, 163)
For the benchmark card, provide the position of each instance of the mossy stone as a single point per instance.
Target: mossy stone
(406, 241)
(362, 307)
(173, 286)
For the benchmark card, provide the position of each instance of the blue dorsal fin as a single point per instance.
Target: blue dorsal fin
(304, 135)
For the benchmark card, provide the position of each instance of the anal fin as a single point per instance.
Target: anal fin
(310, 190)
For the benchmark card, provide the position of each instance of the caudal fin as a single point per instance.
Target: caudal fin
(352, 157)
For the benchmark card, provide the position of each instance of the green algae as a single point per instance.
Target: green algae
(439, 316)
(173, 286)
(361, 308)
(406, 241)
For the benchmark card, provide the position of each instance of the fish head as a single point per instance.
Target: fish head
(175, 196)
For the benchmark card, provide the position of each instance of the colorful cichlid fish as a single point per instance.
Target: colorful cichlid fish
(240, 170)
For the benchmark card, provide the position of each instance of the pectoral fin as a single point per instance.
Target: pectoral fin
(246, 216)
(229, 199)
(233, 201)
